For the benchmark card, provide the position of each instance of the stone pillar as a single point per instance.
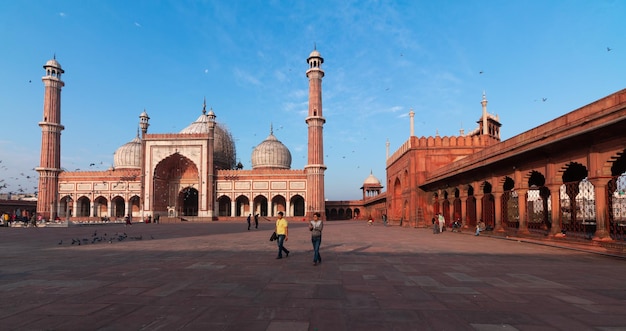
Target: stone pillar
(600, 190)
(523, 211)
(288, 211)
(127, 210)
(497, 197)
(233, 208)
(555, 200)
(479, 206)
(463, 197)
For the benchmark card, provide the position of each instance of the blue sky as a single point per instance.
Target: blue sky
(248, 58)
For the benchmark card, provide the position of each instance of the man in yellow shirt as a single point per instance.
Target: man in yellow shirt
(282, 231)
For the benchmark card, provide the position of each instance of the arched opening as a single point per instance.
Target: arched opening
(510, 204)
(119, 209)
(188, 202)
(101, 207)
(617, 199)
(223, 206)
(279, 204)
(83, 205)
(538, 204)
(297, 205)
(134, 205)
(577, 202)
(260, 205)
(66, 207)
(242, 206)
(173, 175)
(396, 199)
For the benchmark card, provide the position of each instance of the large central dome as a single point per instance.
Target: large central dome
(271, 153)
(224, 155)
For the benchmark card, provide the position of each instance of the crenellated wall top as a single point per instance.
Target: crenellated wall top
(441, 142)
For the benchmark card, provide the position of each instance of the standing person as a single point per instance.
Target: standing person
(385, 219)
(442, 222)
(282, 231)
(256, 221)
(249, 216)
(316, 226)
(128, 221)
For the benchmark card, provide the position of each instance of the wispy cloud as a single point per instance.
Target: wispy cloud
(137, 25)
(62, 14)
(245, 77)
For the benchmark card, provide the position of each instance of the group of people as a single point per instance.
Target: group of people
(439, 225)
(256, 221)
(316, 225)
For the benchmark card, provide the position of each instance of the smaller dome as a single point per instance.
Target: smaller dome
(315, 53)
(129, 155)
(371, 180)
(271, 153)
(53, 63)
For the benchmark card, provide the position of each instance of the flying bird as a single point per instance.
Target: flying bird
(544, 99)
(608, 49)
(480, 73)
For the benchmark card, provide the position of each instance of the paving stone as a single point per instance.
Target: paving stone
(219, 276)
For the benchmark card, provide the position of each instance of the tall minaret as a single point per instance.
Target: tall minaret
(315, 167)
(484, 104)
(50, 159)
(412, 118)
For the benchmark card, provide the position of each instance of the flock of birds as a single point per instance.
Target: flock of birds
(95, 238)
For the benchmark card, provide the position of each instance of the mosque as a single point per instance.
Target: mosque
(191, 175)
(566, 177)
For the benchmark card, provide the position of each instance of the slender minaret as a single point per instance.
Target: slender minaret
(50, 159)
(315, 168)
(484, 104)
(412, 117)
(210, 189)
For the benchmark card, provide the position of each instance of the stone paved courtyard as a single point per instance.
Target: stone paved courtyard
(219, 276)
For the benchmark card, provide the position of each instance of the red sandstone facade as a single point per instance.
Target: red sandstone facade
(565, 178)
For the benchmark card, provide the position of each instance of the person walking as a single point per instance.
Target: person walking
(248, 219)
(315, 226)
(256, 221)
(442, 222)
(282, 231)
(128, 220)
(385, 219)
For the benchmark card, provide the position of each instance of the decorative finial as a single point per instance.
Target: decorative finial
(54, 56)
(204, 107)
(138, 131)
(271, 129)
(314, 46)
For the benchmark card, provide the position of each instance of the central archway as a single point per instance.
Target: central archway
(174, 176)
